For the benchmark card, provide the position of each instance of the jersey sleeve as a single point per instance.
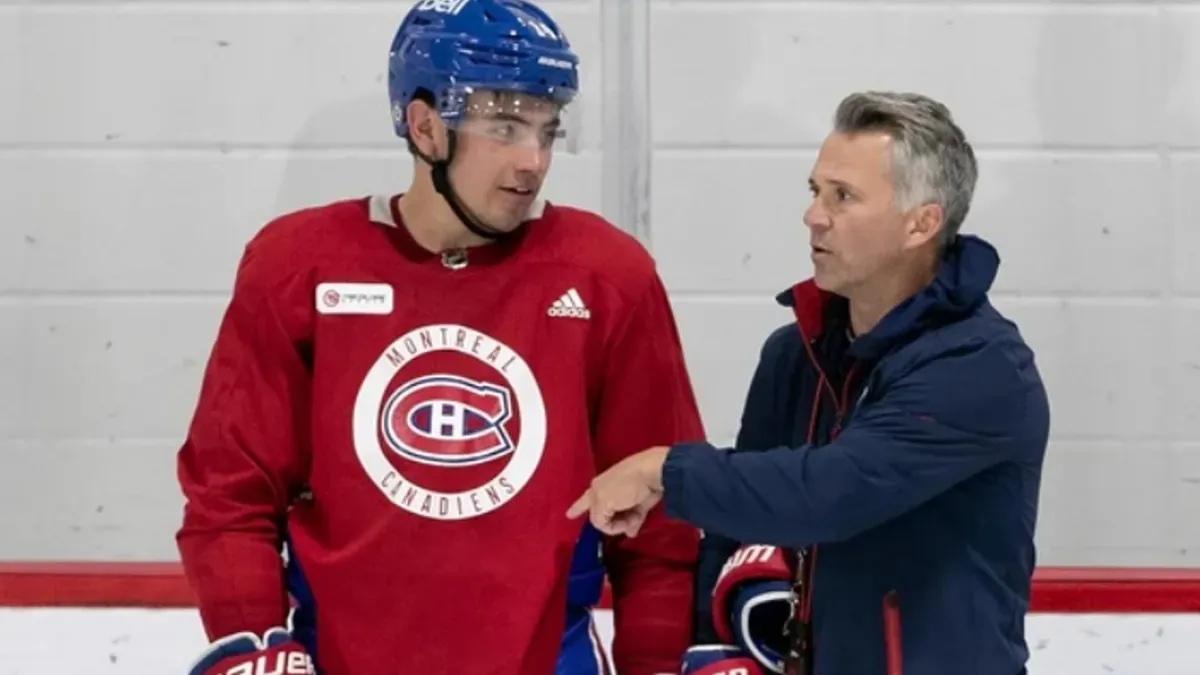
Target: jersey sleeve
(647, 400)
(244, 458)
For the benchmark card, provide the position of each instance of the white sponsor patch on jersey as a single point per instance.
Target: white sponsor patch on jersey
(354, 298)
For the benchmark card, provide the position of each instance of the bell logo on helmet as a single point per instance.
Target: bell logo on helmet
(442, 6)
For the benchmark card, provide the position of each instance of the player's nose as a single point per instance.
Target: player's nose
(530, 159)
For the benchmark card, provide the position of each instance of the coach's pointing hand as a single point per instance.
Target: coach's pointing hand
(621, 497)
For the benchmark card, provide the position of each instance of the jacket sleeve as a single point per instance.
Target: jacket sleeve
(647, 400)
(243, 460)
(945, 421)
(759, 430)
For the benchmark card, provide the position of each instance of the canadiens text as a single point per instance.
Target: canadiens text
(493, 494)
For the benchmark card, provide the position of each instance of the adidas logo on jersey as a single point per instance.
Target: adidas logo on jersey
(570, 305)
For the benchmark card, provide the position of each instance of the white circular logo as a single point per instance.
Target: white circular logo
(444, 438)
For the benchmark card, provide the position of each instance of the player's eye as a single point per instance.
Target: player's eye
(504, 131)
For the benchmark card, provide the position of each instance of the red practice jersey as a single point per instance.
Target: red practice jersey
(417, 428)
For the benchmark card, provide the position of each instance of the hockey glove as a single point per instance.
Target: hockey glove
(752, 604)
(718, 660)
(245, 654)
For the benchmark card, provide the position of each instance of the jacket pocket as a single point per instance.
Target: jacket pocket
(891, 634)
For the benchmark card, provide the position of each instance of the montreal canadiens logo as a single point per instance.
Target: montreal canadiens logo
(449, 421)
(446, 420)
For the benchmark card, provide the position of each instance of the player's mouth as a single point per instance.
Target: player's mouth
(819, 250)
(518, 191)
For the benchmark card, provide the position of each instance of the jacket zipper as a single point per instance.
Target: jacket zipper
(799, 661)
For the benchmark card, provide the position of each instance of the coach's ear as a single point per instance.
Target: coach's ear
(923, 225)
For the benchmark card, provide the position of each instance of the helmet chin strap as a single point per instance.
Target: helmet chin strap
(440, 169)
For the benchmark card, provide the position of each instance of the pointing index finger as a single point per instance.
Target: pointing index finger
(581, 505)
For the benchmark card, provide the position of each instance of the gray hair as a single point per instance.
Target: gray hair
(932, 162)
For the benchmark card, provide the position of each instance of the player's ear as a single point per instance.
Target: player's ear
(424, 128)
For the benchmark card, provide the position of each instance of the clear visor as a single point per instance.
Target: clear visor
(516, 119)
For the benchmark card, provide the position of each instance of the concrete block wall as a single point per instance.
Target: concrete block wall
(142, 142)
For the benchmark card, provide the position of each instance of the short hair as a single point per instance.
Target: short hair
(932, 162)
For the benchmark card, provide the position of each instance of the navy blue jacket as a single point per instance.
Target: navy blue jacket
(906, 463)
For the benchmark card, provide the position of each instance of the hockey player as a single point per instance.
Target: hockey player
(407, 392)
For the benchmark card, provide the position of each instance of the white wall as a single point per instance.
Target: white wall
(150, 642)
(128, 192)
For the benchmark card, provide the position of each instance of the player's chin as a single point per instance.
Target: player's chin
(508, 213)
(505, 220)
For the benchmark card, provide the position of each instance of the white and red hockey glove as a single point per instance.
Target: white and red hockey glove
(752, 604)
(718, 660)
(276, 653)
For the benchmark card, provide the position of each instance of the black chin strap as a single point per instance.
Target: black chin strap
(441, 182)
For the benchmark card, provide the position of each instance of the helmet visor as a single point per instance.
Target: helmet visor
(513, 117)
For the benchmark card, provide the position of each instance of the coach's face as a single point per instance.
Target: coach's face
(856, 232)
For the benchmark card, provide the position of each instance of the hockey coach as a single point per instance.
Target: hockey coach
(877, 512)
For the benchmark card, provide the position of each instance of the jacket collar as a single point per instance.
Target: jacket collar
(964, 277)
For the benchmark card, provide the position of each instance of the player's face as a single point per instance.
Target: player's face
(856, 233)
(506, 144)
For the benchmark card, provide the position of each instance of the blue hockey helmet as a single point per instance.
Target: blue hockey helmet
(451, 48)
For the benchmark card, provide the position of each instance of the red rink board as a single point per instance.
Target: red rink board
(160, 585)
